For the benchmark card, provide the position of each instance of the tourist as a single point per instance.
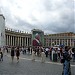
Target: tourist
(33, 55)
(58, 51)
(46, 52)
(12, 53)
(7, 49)
(1, 55)
(67, 59)
(73, 54)
(23, 50)
(28, 50)
(50, 53)
(17, 54)
(43, 56)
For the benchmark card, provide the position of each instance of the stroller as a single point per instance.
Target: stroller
(69, 69)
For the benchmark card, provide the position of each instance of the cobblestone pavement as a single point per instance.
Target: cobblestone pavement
(28, 67)
(38, 58)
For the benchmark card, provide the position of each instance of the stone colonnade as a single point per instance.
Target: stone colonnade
(16, 40)
(59, 41)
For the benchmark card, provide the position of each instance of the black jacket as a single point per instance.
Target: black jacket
(66, 56)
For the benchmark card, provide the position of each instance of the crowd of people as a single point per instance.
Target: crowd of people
(64, 54)
(48, 51)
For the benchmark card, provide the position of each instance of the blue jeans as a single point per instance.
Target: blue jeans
(66, 67)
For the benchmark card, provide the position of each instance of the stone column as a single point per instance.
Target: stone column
(51, 42)
(48, 41)
(62, 41)
(23, 41)
(27, 41)
(67, 42)
(70, 42)
(11, 40)
(30, 41)
(15, 40)
(7, 40)
(59, 41)
(56, 42)
(20, 41)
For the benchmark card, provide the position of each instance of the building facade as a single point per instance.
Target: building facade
(2, 30)
(25, 39)
(17, 38)
(66, 39)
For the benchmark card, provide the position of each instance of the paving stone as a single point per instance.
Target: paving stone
(28, 67)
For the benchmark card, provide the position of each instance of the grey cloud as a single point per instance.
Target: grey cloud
(8, 16)
(20, 24)
(65, 23)
(47, 5)
(23, 25)
(58, 5)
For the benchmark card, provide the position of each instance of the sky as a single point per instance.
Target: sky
(51, 16)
